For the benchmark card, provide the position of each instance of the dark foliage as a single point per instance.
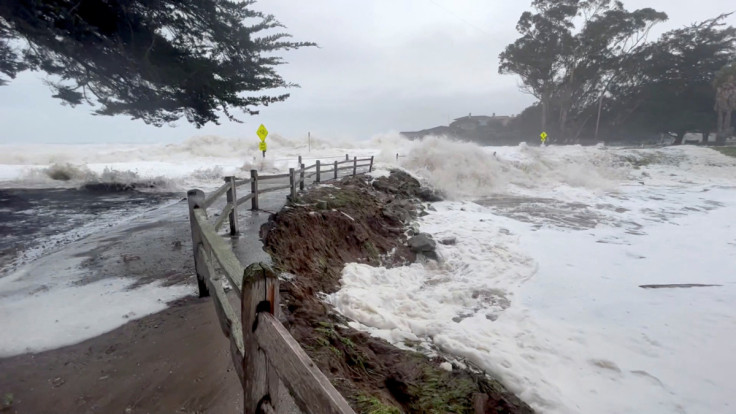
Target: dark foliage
(674, 92)
(156, 60)
(569, 52)
(596, 75)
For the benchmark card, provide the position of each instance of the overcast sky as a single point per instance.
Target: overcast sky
(382, 65)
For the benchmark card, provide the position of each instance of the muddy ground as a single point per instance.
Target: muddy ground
(174, 361)
(356, 220)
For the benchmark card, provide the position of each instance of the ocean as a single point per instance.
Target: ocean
(542, 288)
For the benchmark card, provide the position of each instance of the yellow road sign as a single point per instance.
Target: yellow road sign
(262, 133)
(543, 135)
(262, 145)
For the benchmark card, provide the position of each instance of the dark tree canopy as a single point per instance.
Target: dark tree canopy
(674, 92)
(593, 69)
(569, 52)
(155, 60)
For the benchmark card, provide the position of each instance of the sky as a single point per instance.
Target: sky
(381, 66)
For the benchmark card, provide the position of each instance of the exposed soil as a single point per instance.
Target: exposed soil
(354, 220)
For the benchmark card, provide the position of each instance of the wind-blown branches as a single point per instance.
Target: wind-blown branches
(156, 60)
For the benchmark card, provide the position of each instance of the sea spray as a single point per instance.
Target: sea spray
(463, 170)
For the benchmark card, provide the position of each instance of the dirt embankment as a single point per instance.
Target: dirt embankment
(354, 220)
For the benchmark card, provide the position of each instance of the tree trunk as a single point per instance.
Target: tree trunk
(724, 126)
(576, 139)
(720, 138)
(563, 125)
(598, 119)
(544, 114)
(679, 137)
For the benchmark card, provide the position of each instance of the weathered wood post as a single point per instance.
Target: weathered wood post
(254, 189)
(370, 167)
(292, 184)
(336, 169)
(260, 294)
(347, 158)
(196, 201)
(355, 165)
(317, 179)
(300, 165)
(397, 156)
(231, 198)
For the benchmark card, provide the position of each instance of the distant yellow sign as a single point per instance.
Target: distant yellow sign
(543, 135)
(262, 145)
(262, 133)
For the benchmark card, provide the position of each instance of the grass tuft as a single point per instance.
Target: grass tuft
(730, 151)
(372, 405)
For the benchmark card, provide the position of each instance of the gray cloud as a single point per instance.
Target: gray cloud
(381, 66)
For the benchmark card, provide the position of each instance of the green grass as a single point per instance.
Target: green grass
(343, 198)
(337, 352)
(730, 151)
(438, 391)
(372, 251)
(371, 405)
(7, 401)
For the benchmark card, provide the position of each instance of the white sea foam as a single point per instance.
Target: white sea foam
(178, 167)
(67, 314)
(542, 287)
(57, 300)
(462, 170)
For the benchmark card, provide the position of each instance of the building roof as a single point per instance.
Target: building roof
(474, 118)
(482, 117)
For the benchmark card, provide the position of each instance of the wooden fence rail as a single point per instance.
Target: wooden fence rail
(269, 362)
(297, 178)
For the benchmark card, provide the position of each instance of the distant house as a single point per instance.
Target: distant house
(478, 127)
(474, 123)
(436, 131)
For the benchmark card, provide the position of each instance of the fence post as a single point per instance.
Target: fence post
(196, 199)
(336, 169)
(254, 189)
(346, 157)
(260, 294)
(397, 156)
(355, 165)
(370, 167)
(292, 184)
(299, 161)
(231, 198)
(301, 178)
(317, 180)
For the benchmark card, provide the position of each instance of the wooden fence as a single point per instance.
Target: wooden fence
(267, 358)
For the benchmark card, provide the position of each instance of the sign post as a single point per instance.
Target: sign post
(262, 133)
(543, 136)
